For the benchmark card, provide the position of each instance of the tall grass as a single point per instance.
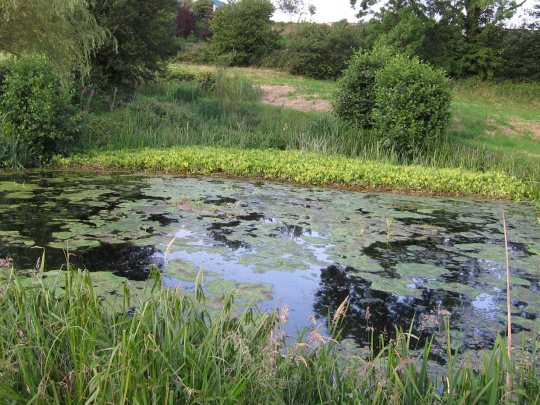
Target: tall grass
(14, 155)
(65, 344)
(526, 92)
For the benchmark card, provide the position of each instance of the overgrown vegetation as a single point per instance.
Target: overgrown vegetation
(309, 168)
(241, 31)
(67, 345)
(62, 343)
(37, 113)
(142, 37)
(317, 50)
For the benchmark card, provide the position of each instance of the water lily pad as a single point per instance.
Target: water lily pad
(280, 265)
(14, 238)
(74, 243)
(398, 286)
(186, 271)
(316, 241)
(244, 291)
(531, 298)
(249, 259)
(465, 290)
(25, 194)
(17, 187)
(410, 270)
(365, 264)
(516, 281)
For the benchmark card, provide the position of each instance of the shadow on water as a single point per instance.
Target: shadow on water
(387, 311)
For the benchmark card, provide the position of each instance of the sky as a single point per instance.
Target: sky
(327, 11)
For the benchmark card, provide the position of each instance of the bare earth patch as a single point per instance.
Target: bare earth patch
(517, 127)
(282, 96)
(527, 126)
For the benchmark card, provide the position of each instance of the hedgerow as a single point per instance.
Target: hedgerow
(307, 168)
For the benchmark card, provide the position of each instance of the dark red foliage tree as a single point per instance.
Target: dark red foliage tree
(206, 32)
(186, 20)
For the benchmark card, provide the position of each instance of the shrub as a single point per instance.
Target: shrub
(354, 99)
(37, 109)
(194, 51)
(243, 30)
(412, 103)
(6, 66)
(320, 51)
(404, 101)
(142, 39)
(106, 95)
(206, 80)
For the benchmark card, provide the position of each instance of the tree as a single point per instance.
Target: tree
(469, 28)
(242, 29)
(194, 19)
(521, 48)
(143, 36)
(64, 30)
(186, 19)
(320, 51)
(202, 8)
(296, 8)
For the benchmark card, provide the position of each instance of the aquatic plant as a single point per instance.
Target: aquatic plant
(309, 168)
(62, 343)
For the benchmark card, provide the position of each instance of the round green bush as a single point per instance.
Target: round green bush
(403, 101)
(37, 109)
(354, 99)
(412, 104)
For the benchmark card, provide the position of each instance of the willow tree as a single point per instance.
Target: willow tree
(63, 30)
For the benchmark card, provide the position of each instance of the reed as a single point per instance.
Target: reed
(65, 344)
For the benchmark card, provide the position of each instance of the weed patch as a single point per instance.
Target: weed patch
(308, 168)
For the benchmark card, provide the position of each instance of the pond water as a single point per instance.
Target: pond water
(403, 257)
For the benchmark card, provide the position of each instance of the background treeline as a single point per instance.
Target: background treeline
(465, 38)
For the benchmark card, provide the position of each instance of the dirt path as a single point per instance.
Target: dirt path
(284, 96)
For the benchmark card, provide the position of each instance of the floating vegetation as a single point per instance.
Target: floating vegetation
(401, 256)
(308, 168)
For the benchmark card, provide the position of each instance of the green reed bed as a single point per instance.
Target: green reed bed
(62, 343)
(306, 168)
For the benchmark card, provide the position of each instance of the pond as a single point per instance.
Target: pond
(407, 259)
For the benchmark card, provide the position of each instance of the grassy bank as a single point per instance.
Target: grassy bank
(307, 168)
(494, 125)
(64, 344)
(480, 155)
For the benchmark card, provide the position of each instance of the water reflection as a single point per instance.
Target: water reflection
(328, 244)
